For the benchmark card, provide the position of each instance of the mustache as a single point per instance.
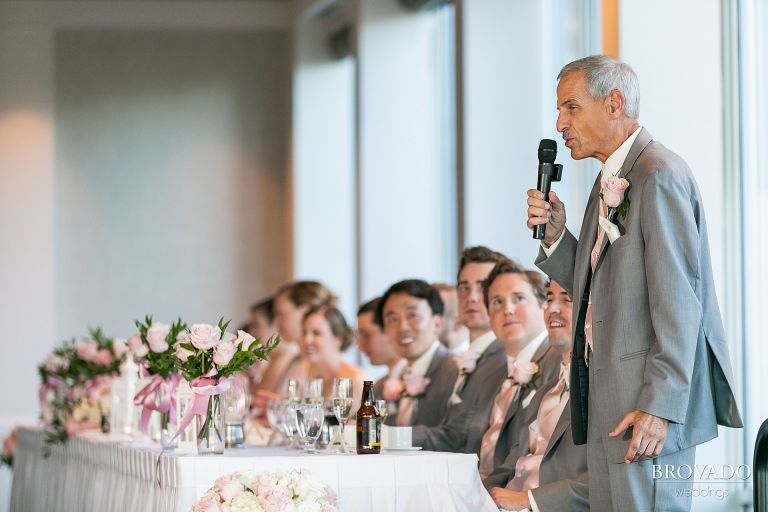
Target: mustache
(565, 134)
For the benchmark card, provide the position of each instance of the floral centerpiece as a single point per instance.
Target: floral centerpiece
(248, 491)
(75, 381)
(152, 346)
(208, 356)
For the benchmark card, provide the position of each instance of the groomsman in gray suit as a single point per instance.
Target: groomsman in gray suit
(515, 299)
(650, 376)
(372, 342)
(482, 368)
(546, 470)
(411, 313)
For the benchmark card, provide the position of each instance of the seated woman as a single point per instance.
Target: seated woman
(326, 336)
(291, 303)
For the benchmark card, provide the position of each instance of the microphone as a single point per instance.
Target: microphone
(549, 171)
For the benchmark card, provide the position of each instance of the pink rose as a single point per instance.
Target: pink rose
(276, 499)
(613, 191)
(522, 372)
(156, 337)
(138, 348)
(87, 350)
(393, 388)
(466, 362)
(210, 502)
(415, 385)
(204, 336)
(330, 496)
(224, 352)
(244, 340)
(55, 363)
(182, 353)
(103, 357)
(228, 487)
(119, 347)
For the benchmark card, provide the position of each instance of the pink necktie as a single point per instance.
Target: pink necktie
(602, 212)
(405, 407)
(539, 434)
(498, 415)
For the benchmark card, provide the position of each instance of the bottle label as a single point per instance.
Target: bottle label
(371, 433)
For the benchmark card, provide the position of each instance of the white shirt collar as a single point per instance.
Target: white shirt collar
(613, 164)
(565, 373)
(481, 343)
(421, 365)
(526, 354)
(460, 348)
(398, 369)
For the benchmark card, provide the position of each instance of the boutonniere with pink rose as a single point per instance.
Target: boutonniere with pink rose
(612, 193)
(466, 362)
(410, 386)
(523, 374)
(207, 356)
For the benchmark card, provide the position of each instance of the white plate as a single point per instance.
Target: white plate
(404, 449)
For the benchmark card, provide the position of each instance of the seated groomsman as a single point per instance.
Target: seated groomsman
(411, 313)
(454, 336)
(547, 471)
(374, 344)
(515, 300)
(482, 368)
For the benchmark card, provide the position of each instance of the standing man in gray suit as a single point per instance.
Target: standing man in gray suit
(650, 375)
(482, 368)
(411, 313)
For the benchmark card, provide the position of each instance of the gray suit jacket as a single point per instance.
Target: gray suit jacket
(432, 406)
(465, 423)
(563, 471)
(548, 360)
(659, 340)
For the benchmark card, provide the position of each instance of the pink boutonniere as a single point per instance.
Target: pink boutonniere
(612, 193)
(393, 389)
(415, 385)
(523, 373)
(466, 362)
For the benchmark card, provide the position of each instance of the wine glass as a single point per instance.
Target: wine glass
(293, 391)
(313, 391)
(309, 423)
(342, 401)
(381, 409)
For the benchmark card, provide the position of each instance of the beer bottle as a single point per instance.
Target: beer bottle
(368, 423)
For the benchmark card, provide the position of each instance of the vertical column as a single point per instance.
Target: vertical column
(323, 175)
(26, 213)
(407, 203)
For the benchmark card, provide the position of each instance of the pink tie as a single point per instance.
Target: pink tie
(498, 415)
(405, 407)
(602, 212)
(539, 434)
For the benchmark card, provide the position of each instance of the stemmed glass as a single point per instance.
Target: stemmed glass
(313, 391)
(293, 391)
(342, 403)
(309, 423)
(381, 410)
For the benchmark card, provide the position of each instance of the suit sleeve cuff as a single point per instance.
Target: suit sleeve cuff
(533, 507)
(549, 250)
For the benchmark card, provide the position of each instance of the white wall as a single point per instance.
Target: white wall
(512, 54)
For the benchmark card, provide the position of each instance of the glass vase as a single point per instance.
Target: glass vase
(167, 429)
(210, 430)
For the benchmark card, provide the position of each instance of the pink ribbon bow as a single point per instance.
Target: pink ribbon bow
(203, 389)
(147, 398)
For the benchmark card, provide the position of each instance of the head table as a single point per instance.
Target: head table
(96, 473)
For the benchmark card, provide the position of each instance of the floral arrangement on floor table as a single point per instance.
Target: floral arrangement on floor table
(75, 381)
(207, 356)
(153, 347)
(269, 491)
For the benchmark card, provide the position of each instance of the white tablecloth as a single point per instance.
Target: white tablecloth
(95, 474)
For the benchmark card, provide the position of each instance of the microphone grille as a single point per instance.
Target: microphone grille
(547, 151)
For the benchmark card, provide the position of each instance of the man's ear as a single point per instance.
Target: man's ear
(438, 319)
(615, 103)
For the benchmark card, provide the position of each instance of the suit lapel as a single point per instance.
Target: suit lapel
(562, 424)
(522, 393)
(588, 232)
(642, 140)
(431, 373)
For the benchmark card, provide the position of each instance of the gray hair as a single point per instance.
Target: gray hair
(604, 74)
